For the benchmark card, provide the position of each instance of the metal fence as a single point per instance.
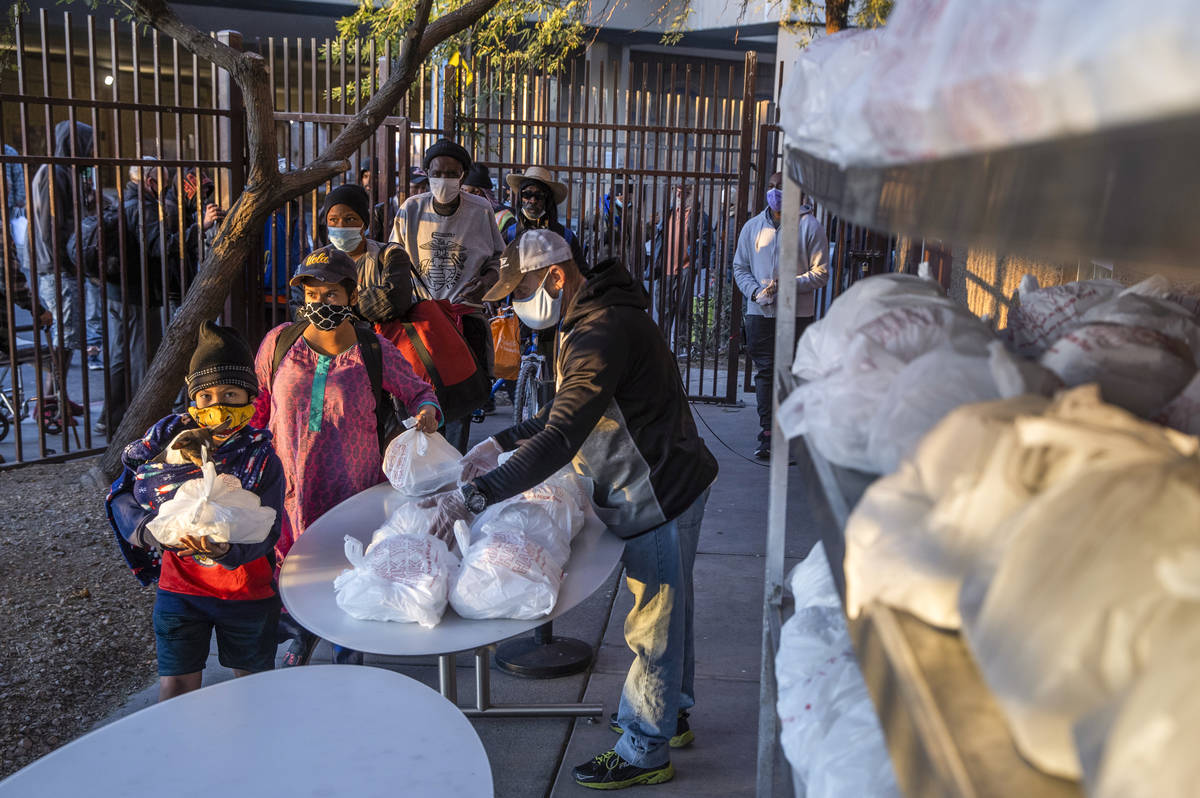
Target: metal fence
(664, 164)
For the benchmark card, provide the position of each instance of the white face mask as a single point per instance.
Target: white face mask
(445, 189)
(540, 311)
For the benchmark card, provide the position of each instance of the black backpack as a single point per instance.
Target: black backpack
(87, 246)
(387, 418)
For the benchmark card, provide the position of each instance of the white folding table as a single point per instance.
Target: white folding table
(321, 730)
(318, 556)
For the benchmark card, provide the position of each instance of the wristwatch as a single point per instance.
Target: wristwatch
(474, 498)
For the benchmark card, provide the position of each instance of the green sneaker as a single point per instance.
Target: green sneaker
(608, 771)
(682, 738)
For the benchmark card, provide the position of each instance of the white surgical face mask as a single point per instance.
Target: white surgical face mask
(540, 311)
(445, 189)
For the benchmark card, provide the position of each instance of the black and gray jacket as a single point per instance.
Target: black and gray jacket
(620, 414)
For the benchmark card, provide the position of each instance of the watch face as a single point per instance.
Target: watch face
(476, 503)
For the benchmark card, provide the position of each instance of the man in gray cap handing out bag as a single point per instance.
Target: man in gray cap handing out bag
(619, 416)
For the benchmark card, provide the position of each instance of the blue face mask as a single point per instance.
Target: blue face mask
(347, 239)
(775, 199)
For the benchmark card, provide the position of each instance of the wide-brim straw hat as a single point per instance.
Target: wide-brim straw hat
(538, 174)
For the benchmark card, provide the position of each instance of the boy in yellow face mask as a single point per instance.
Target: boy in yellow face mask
(205, 584)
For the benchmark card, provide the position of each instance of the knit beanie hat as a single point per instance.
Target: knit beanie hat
(450, 148)
(350, 194)
(478, 177)
(221, 358)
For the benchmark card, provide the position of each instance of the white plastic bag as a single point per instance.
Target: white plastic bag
(1144, 744)
(819, 351)
(934, 384)
(1148, 305)
(829, 729)
(1183, 412)
(506, 573)
(1137, 368)
(215, 506)
(1098, 574)
(897, 549)
(398, 578)
(418, 463)
(1040, 316)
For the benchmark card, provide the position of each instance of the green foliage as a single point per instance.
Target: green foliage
(516, 34)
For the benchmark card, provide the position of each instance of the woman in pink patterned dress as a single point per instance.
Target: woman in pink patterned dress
(320, 406)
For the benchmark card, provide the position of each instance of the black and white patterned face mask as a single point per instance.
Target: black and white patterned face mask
(325, 317)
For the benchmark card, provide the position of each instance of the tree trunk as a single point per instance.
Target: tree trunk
(837, 15)
(266, 190)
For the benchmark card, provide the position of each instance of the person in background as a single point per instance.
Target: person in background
(366, 174)
(384, 213)
(320, 407)
(756, 270)
(540, 195)
(55, 191)
(384, 270)
(452, 239)
(286, 240)
(479, 183)
(205, 585)
(14, 188)
(682, 248)
(621, 418)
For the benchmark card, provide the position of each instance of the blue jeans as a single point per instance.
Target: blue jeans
(661, 681)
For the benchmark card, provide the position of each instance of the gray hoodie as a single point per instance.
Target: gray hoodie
(52, 226)
(756, 261)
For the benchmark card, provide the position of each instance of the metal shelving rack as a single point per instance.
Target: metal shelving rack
(1125, 193)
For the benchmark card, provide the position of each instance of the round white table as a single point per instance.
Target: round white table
(318, 556)
(323, 730)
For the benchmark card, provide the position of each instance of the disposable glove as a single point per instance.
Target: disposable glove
(766, 294)
(482, 458)
(451, 507)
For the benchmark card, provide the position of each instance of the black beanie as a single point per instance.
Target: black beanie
(221, 358)
(350, 194)
(478, 177)
(450, 148)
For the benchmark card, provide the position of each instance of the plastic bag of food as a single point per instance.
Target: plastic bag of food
(1183, 412)
(934, 384)
(1097, 576)
(215, 506)
(819, 351)
(1149, 305)
(828, 727)
(1143, 745)
(418, 463)
(1137, 368)
(1040, 316)
(507, 573)
(896, 552)
(398, 578)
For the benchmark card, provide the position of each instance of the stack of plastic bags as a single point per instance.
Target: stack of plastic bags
(514, 555)
(404, 575)
(889, 360)
(1140, 344)
(829, 730)
(1061, 537)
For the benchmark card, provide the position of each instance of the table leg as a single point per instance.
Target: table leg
(483, 679)
(447, 678)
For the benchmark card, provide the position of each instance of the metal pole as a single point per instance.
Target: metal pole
(447, 678)
(785, 328)
(483, 682)
(745, 153)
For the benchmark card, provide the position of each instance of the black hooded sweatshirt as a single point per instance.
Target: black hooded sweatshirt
(620, 414)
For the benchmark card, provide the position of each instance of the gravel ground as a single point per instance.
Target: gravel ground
(76, 624)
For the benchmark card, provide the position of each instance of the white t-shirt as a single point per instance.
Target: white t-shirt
(448, 251)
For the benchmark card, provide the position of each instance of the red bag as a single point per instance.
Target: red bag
(431, 340)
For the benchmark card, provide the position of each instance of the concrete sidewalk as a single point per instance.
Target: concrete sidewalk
(534, 757)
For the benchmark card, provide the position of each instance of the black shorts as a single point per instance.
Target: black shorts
(183, 627)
